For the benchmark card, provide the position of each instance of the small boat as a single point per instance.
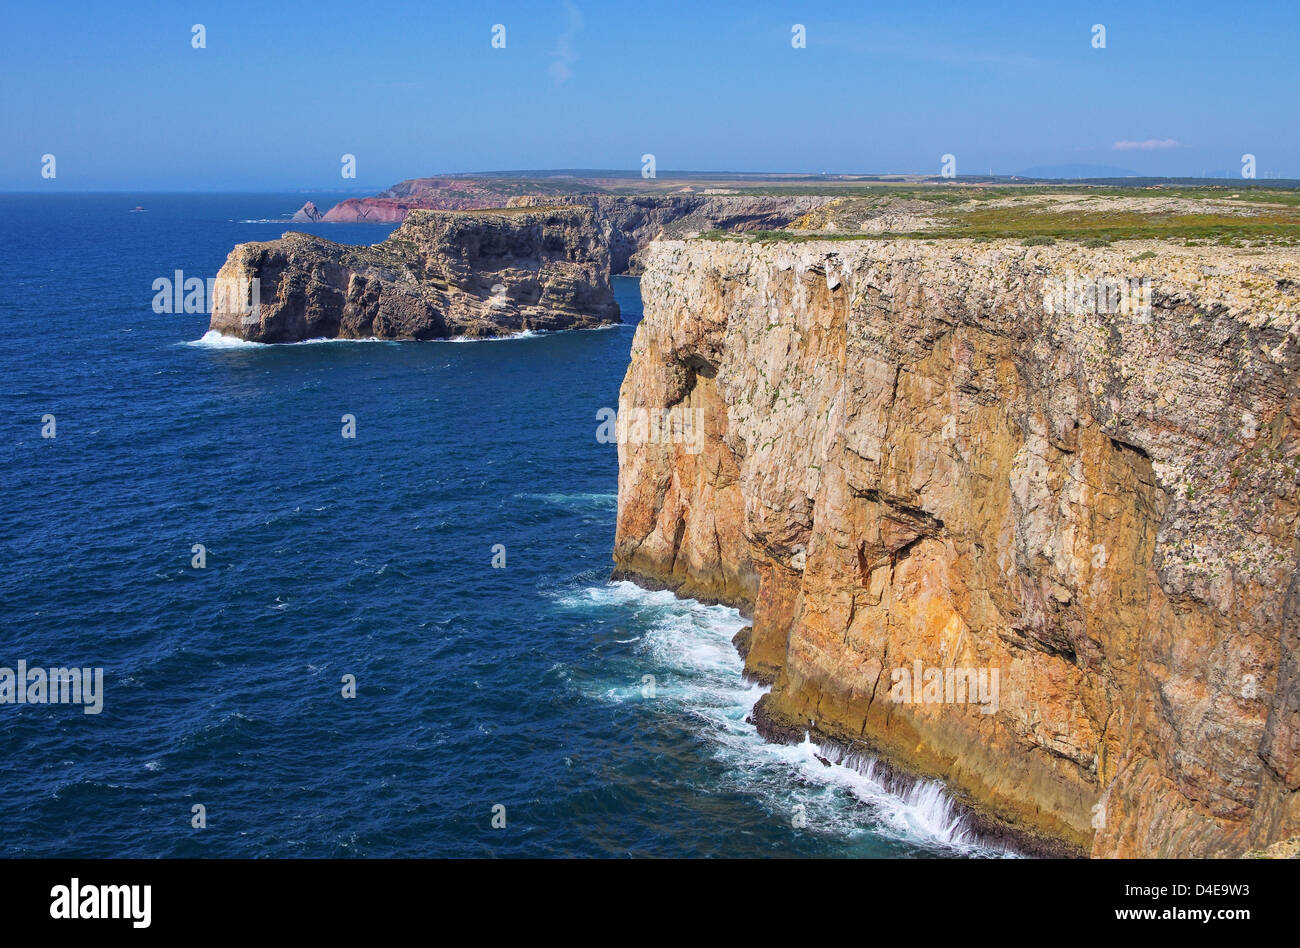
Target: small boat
(137, 209)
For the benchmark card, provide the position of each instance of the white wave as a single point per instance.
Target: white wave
(525, 334)
(698, 675)
(215, 340)
(620, 594)
(922, 812)
(212, 339)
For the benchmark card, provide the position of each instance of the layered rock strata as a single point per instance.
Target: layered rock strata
(1066, 478)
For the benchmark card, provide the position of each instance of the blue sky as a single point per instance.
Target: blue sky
(282, 90)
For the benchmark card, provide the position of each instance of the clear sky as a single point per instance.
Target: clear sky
(282, 90)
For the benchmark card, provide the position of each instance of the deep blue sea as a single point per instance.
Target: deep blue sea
(477, 688)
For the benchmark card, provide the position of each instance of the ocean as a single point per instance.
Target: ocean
(525, 708)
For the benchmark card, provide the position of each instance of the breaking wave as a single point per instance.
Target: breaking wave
(701, 683)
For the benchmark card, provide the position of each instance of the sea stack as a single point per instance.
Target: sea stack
(442, 274)
(307, 214)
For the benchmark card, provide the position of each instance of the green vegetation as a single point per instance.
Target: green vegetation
(1020, 221)
(1248, 192)
(1232, 214)
(1093, 213)
(1274, 220)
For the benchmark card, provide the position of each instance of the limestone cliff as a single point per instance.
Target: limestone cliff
(435, 194)
(942, 455)
(638, 220)
(441, 274)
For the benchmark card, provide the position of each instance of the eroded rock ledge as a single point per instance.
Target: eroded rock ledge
(910, 457)
(441, 274)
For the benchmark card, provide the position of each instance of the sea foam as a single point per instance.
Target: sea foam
(699, 677)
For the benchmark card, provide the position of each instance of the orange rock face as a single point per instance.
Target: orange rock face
(1036, 542)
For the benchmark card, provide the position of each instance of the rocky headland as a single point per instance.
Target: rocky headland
(441, 274)
(636, 221)
(430, 194)
(666, 209)
(1069, 472)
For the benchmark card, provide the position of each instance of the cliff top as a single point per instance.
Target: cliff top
(883, 203)
(1098, 216)
(418, 219)
(1260, 287)
(512, 211)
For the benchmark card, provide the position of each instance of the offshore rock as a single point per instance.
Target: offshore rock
(307, 214)
(441, 274)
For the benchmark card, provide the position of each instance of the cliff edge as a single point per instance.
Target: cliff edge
(1023, 519)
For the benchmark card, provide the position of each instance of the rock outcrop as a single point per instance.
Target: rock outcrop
(638, 220)
(309, 213)
(441, 274)
(435, 194)
(988, 459)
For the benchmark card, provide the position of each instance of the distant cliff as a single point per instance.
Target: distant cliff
(638, 220)
(1068, 478)
(309, 213)
(448, 193)
(441, 274)
(635, 220)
